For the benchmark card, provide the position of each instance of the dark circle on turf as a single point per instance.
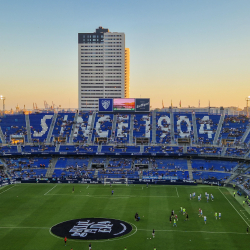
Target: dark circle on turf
(92, 229)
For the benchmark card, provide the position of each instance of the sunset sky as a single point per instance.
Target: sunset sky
(181, 50)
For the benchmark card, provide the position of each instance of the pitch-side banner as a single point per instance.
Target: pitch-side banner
(106, 105)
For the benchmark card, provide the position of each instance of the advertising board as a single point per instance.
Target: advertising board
(124, 104)
(142, 105)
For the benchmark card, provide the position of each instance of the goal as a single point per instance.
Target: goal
(112, 181)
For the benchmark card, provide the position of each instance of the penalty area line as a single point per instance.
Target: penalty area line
(50, 190)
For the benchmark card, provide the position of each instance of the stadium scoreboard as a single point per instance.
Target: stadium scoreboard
(124, 105)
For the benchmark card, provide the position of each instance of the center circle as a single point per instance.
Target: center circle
(92, 229)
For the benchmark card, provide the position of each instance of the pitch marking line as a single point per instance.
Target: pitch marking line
(50, 190)
(177, 192)
(134, 229)
(7, 190)
(191, 187)
(181, 231)
(243, 212)
(87, 187)
(24, 228)
(118, 196)
(234, 208)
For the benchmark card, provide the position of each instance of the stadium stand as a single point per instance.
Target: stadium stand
(39, 125)
(114, 145)
(206, 127)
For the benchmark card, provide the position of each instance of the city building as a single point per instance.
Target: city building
(103, 67)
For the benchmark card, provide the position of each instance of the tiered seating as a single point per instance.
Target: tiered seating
(163, 130)
(28, 167)
(111, 149)
(83, 124)
(236, 152)
(13, 125)
(99, 160)
(142, 161)
(233, 127)
(132, 149)
(87, 149)
(247, 140)
(102, 126)
(73, 167)
(39, 149)
(163, 149)
(183, 127)
(76, 149)
(120, 163)
(213, 165)
(3, 175)
(68, 148)
(206, 127)
(119, 168)
(152, 149)
(63, 125)
(142, 126)
(115, 149)
(167, 164)
(199, 175)
(204, 150)
(165, 174)
(109, 173)
(33, 173)
(39, 126)
(122, 128)
(8, 149)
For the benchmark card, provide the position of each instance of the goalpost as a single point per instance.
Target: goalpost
(108, 181)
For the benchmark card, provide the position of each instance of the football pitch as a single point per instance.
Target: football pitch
(29, 211)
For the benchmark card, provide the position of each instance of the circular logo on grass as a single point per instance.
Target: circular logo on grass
(92, 229)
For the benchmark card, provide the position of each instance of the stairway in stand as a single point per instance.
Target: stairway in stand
(51, 128)
(51, 167)
(27, 120)
(71, 138)
(215, 142)
(190, 169)
(154, 127)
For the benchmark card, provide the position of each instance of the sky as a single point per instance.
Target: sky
(180, 50)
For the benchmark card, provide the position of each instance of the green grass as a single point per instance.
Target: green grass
(28, 211)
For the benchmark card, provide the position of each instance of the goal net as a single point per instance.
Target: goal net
(108, 181)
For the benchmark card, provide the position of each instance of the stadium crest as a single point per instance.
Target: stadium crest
(92, 229)
(105, 104)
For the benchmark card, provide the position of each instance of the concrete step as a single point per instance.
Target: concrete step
(27, 121)
(51, 168)
(190, 169)
(2, 136)
(132, 117)
(52, 125)
(91, 127)
(217, 134)
(194, 128)
(71, 137)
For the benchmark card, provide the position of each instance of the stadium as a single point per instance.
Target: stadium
(85, 175)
